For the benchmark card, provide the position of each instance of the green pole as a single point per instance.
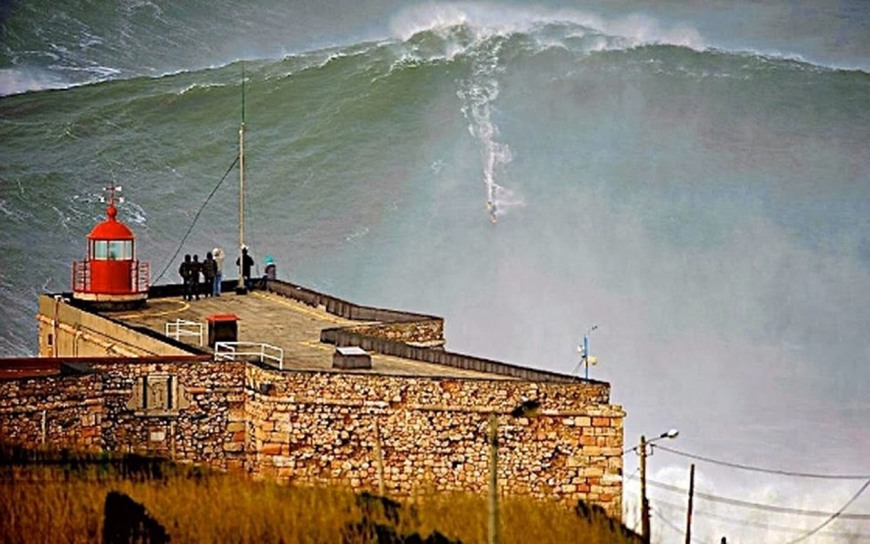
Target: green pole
(493, 479)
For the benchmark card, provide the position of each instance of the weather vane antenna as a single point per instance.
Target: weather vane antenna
(112, 189)
(585, 358)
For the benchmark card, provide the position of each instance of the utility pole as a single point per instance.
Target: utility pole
(493, 478)
(689, 510)
(644, 504)
(379, 459)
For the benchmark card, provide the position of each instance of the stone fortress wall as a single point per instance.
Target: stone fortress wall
(431, 433)
(131, 390)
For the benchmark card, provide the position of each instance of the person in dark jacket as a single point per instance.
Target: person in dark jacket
(246, 263)
(196, 270)
(186, 273)
(209, 269)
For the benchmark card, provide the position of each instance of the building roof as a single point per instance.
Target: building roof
(278, 321)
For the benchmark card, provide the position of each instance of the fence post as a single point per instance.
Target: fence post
(379, 457)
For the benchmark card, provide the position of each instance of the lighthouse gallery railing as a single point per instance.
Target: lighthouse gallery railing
(140, 276)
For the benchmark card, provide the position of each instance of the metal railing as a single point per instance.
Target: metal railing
(81, 276)
(178, 328)
(232, 351)
(140, 276)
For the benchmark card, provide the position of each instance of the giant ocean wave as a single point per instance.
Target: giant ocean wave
(705, 203)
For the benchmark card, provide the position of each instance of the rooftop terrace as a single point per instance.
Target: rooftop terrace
(271, 318)
(308, 326)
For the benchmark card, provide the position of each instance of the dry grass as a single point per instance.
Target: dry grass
(56, 505)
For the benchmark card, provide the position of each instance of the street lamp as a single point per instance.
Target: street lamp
(528, 408)
(644, 503)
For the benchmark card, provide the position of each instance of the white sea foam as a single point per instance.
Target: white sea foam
(131, 6)
(22, 80)
(485, 19)
(359, 232)
(62, 218)
(197, 86)
(134, 213)
(320, 59)
(478, 94)
(10, 213)
(17, 81)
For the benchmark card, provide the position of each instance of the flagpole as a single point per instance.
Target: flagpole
(241, 288)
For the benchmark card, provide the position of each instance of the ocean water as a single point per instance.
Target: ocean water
(693, 177)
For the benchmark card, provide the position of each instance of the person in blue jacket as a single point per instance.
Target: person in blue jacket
(270, 272)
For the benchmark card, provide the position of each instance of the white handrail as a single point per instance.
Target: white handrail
(230, 351)
(178, 328)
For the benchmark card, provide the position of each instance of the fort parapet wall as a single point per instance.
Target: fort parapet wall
(186, 411)
(58, 411)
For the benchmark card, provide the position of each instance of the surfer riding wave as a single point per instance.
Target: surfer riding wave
(490, 206)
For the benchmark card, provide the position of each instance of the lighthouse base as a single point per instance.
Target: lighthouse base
(108, 302)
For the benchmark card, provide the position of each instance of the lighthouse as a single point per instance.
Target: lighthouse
(111, 278)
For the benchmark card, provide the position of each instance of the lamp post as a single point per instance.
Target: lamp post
(644, 503)
(528, 408)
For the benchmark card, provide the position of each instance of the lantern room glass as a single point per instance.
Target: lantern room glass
(112, 250)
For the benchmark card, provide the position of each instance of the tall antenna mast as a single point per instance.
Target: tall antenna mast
(241, 286)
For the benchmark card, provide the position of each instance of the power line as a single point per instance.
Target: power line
(758, 524)
(834, 516)
(760, 506)
(762, 469)
(195, 218)
(664, 520)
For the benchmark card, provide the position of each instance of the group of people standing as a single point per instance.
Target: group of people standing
(202, 278)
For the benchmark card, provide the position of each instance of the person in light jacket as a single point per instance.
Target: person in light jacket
(218, 256)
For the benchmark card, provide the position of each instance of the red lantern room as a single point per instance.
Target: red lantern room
(111, 276)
